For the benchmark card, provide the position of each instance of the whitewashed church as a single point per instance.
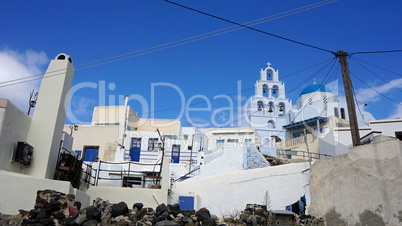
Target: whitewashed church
(271, 113)
(268, 109)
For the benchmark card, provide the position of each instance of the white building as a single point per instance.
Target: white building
(268, 109)
(218, 138)
(317, 100)
(320, 126)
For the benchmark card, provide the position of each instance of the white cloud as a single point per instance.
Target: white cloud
(198, 122)
(82, 105)
(15, 65)
(370, 95)
(397, 113)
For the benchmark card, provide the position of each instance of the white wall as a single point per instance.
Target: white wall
(149, 197)
(338, 140)
(18, 191)
(230, 161)
(14, 126)
(46, 129)
(232, 191)
(387, 127)
(90, 135)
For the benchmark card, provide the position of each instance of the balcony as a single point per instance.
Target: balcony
(294, 143)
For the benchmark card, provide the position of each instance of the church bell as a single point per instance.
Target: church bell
(270, 109)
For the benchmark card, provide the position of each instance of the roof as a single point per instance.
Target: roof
(283, 212)
(302, 124)
(315, 87)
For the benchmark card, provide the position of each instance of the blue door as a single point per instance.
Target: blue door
(176, 153)
(91, 153)
(186, 202)
(135, 149)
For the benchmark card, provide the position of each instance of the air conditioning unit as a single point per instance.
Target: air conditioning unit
(23, 153)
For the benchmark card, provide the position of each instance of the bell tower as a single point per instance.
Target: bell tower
(268, 108)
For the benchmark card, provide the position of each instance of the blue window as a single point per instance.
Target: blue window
(78, 152)
(152, 144)
(296, 134)
(90, 154)
(247, 140)
(220, 141)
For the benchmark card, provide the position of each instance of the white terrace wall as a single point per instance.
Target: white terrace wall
(18, 191)
(149, 197)
(226, 193)
(14, 126)
(363, 187)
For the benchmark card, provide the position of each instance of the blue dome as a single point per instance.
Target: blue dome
(315, 87)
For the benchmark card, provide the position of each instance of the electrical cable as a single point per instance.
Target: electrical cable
(357, 102)
(254, 29)
(377, 66)
(373, 88)
(273, 17)
(310, 77)
(381, 51)
(305, 69)
(314, 93)
(212, 99)
(389, 83)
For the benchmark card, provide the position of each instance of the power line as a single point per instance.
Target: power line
(321, 84)
(374, 89)
(212, 99)
(315, 92)
(381, 51)
(166, 45)
(254, 29)
(305, 69)
(311, 76)
(389, 83)
(377, 66)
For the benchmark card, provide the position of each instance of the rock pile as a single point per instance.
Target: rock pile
(119, 214)
(55, 208)
(257, 215)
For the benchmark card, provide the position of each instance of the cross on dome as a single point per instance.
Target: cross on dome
(269, 64)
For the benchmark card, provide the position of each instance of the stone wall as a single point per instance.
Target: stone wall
(254, 159)
(363, 187)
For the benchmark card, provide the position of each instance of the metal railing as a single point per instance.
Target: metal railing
(92, 176)
(87, 177)
(186, 175)
(303, 154)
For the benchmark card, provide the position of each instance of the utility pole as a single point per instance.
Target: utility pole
(347, 83)
(163, 156)
(191, 154)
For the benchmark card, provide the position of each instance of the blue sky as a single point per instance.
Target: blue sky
(32, 33)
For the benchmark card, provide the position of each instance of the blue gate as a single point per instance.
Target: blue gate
(186, 202)
(135, 149)
(176, 153)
